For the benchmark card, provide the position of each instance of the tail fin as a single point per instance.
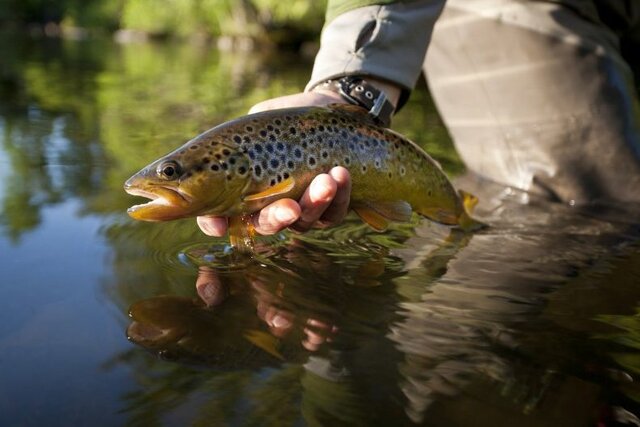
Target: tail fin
(465, 221)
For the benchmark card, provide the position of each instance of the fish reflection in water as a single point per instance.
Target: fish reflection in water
(432, 328)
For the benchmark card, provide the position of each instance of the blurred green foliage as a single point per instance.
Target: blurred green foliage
(260, 19)
(82, 116)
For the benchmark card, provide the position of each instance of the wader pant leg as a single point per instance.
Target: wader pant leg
(537, 97)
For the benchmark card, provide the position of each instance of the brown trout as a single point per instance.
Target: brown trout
(241, 166)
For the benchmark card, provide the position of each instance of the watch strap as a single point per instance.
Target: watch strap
(358, 91)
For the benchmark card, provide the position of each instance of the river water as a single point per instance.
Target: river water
(533, 321)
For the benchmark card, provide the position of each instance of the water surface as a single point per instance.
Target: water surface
(107, 321)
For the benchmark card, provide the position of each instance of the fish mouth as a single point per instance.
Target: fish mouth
(166, 203)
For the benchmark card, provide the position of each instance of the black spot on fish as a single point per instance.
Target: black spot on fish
(279, 178)
(183, 151)
(305, 144)
(286, 175)
(292, 130)
(273, 182)
(290, 164)
(402, 170)
(246, 140)
(367, 142)
(198, 168)
(218, 156)
(265, 164)
(215, 167)
(232, 160)
(312, 160)
(280, 146)
(249, 128)
(205, 160)
(274, 163)
(334, 121)
(312, 130)
(276, 131)
(229, 177)
(429, 193)
(194, 147)
(258, 170)
(252, 154)
(263, 133)
(332, 143)
(269, 148)
(364, 168)
(390, 174)
(278, 122)
(297, 153)
(269, 127)
(344, 133)
(303, 135)
(242, 170)
(321, 128)
(237, 139)
(325, 154)
(258, 148)
(226, 152)
(347, 161)
(224, 166)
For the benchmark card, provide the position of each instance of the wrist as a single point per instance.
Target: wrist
(376, 96)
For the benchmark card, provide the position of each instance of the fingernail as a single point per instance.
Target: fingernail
(285, 215)
(280, 322)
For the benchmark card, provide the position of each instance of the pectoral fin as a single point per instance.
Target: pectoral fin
(378, 214)
(265, 341)
(241, 233)
(278, 189)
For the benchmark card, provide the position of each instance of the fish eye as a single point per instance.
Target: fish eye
(169, 170)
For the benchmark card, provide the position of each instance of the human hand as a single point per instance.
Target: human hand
(325, 202)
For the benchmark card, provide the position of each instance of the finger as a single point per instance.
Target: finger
(315, 200)
(209, 287)
(212, 225)
(276, 217)
(339, 207)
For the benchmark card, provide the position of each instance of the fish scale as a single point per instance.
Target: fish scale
(242, 165)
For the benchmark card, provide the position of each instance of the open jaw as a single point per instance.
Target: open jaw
(165, 204)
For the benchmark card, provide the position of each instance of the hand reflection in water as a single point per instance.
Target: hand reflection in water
(269, 308)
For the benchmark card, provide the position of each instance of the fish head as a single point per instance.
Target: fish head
(199, 178)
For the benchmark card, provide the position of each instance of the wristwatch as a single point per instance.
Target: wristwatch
(358, 91)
